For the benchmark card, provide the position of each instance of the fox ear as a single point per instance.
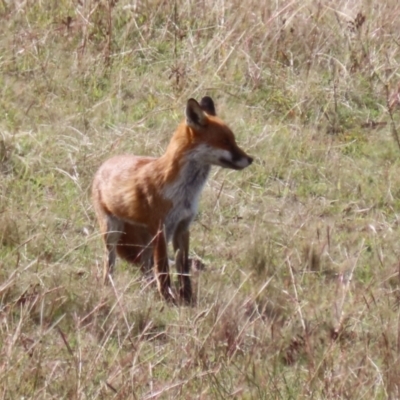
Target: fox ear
(207, 105)
(195, 116)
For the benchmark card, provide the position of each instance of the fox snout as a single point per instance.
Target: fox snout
(243, 161)
(235, 159)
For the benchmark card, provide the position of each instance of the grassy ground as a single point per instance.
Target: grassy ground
(300, 296)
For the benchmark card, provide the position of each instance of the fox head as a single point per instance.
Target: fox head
(213, 141)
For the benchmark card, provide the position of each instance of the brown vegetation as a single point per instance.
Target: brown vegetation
(299, 296)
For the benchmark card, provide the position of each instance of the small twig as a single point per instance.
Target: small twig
(219, 194)
(65, 341)
(107, 47)
(344, 286)
(296, 296)
(111, 387)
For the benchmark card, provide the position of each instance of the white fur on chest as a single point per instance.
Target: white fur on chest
(184, 193)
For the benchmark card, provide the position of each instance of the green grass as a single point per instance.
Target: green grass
(299, 297)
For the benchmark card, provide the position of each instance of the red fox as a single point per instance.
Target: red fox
(142, 203)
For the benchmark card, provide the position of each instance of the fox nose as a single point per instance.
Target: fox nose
(250, 159)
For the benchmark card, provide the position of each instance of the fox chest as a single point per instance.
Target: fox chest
(184, 193)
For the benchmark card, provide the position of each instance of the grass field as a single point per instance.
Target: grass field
(299, 296)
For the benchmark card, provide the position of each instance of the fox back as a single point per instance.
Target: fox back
(143, 203)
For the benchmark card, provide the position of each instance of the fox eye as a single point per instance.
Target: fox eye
(225, 141)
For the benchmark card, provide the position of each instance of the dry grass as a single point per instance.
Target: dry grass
(300, 296)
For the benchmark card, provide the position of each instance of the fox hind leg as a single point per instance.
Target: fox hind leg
(136, 247)
(115, 228)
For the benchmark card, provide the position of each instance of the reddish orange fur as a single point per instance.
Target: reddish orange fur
(132, 195)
